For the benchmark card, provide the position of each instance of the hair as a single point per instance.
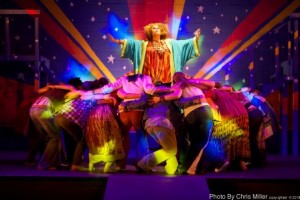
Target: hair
(98, 83)
(178, 76)
(163, 28)
(87, 85)
(102, 81)
(134, 77)
(76, 82)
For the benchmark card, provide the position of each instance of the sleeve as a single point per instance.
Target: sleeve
(132, 49)
(149, 88)
(111, 87)
(184, 50)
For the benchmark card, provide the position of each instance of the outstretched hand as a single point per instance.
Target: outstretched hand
(111, 38)
(197, 33)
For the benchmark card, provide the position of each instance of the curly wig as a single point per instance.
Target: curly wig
(163, 29)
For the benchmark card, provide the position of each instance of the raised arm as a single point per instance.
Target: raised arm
(63, 87)
(118, 41)
(197, 33)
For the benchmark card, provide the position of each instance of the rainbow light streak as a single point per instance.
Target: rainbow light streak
(144, 12)
(255, 37)
(175, 19)
(71, 29)
(174, 27)
(75, 69)
(61, 37)
(255, 19)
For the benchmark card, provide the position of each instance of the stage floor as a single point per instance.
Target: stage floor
(280, 178)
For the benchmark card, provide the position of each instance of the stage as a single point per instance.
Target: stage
(279, 179)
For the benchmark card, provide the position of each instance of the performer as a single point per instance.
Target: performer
(158, 56)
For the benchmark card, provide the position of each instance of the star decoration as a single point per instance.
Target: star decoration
(17, 37)
(236, 18)
(251, 66)
(93, 19)
(226, 77)
(216, 30)
(21, 76)
(71, 4)
(104, 37)
(200, 9)
(111, 59)
(99, 3)
(116, 29)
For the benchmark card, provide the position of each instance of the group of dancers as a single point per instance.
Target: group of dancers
(198, 124)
